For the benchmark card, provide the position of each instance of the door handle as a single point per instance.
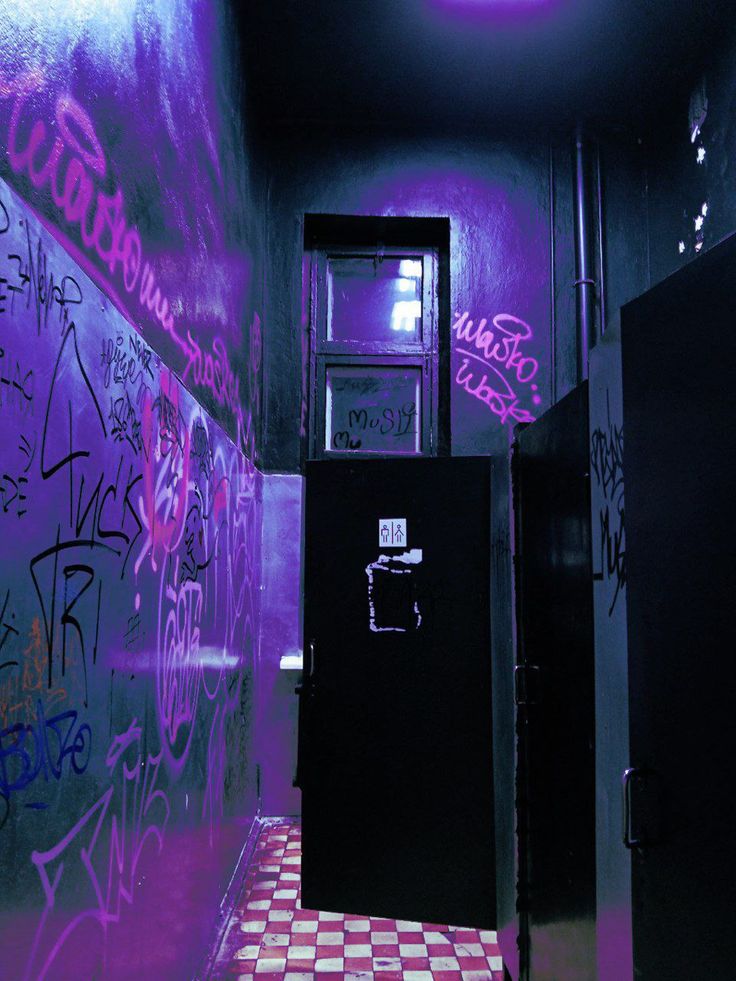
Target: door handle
(629, 774)
(306, 685)
(527, 684)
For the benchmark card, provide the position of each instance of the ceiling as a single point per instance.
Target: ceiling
(440, 65)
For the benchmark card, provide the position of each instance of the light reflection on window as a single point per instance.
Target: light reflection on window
(411, 268)
(371, 301)
(405, 314)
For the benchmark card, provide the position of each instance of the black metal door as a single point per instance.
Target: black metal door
(555, 694)
(679, 352)
(395, 750)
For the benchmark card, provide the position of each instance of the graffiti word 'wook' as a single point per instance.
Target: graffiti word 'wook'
(503, 363)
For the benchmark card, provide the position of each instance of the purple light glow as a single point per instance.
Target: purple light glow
(496, 11)
(498, 3)
(488, 6)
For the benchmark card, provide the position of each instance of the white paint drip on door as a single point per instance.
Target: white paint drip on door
(393, 565)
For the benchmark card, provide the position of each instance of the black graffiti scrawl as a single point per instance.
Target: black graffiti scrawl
(129, 571)
(607, 461)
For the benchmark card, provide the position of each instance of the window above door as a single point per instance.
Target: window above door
(373, 351)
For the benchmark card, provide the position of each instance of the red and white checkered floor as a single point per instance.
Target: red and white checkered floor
(271, 938)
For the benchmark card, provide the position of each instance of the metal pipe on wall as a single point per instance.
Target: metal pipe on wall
(601, 252)
(584, 283)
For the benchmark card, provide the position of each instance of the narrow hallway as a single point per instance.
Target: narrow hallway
(271, 938)
(367, 524)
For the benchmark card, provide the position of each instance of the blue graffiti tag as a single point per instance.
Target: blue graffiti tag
(27, 749)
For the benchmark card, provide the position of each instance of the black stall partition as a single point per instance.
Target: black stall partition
(679, 352)
(554, 690)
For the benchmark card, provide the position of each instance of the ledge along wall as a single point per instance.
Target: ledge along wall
(130, 502)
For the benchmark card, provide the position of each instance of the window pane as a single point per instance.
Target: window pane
(373, 409)
(370, 300)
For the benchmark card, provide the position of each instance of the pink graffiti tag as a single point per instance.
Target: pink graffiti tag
(162, 506)
(70, 168)
(504, 364)
(179, 667)
(72, 165)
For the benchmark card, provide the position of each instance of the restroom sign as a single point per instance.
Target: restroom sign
(392, 532)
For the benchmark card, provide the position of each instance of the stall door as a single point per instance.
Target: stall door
(679, 352)
(395, 754)
(555, 693)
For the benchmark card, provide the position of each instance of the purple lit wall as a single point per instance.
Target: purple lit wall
(497, 197)
(131, 246)
(121, 125)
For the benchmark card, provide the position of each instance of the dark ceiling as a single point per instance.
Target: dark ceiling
(441, 65)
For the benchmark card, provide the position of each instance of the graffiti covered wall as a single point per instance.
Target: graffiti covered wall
(130, 530)
(131, 245)
(122, 125)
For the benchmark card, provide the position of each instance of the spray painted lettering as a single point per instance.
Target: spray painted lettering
(131, 592)
(179, 667)
(494, 363)
(392, 421)
(42, 746)
(65, 158)
(607, 460)
(104, 848)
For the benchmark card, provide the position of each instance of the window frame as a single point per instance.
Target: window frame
(323, 353)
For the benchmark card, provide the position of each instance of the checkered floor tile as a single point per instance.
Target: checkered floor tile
(271, 938)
